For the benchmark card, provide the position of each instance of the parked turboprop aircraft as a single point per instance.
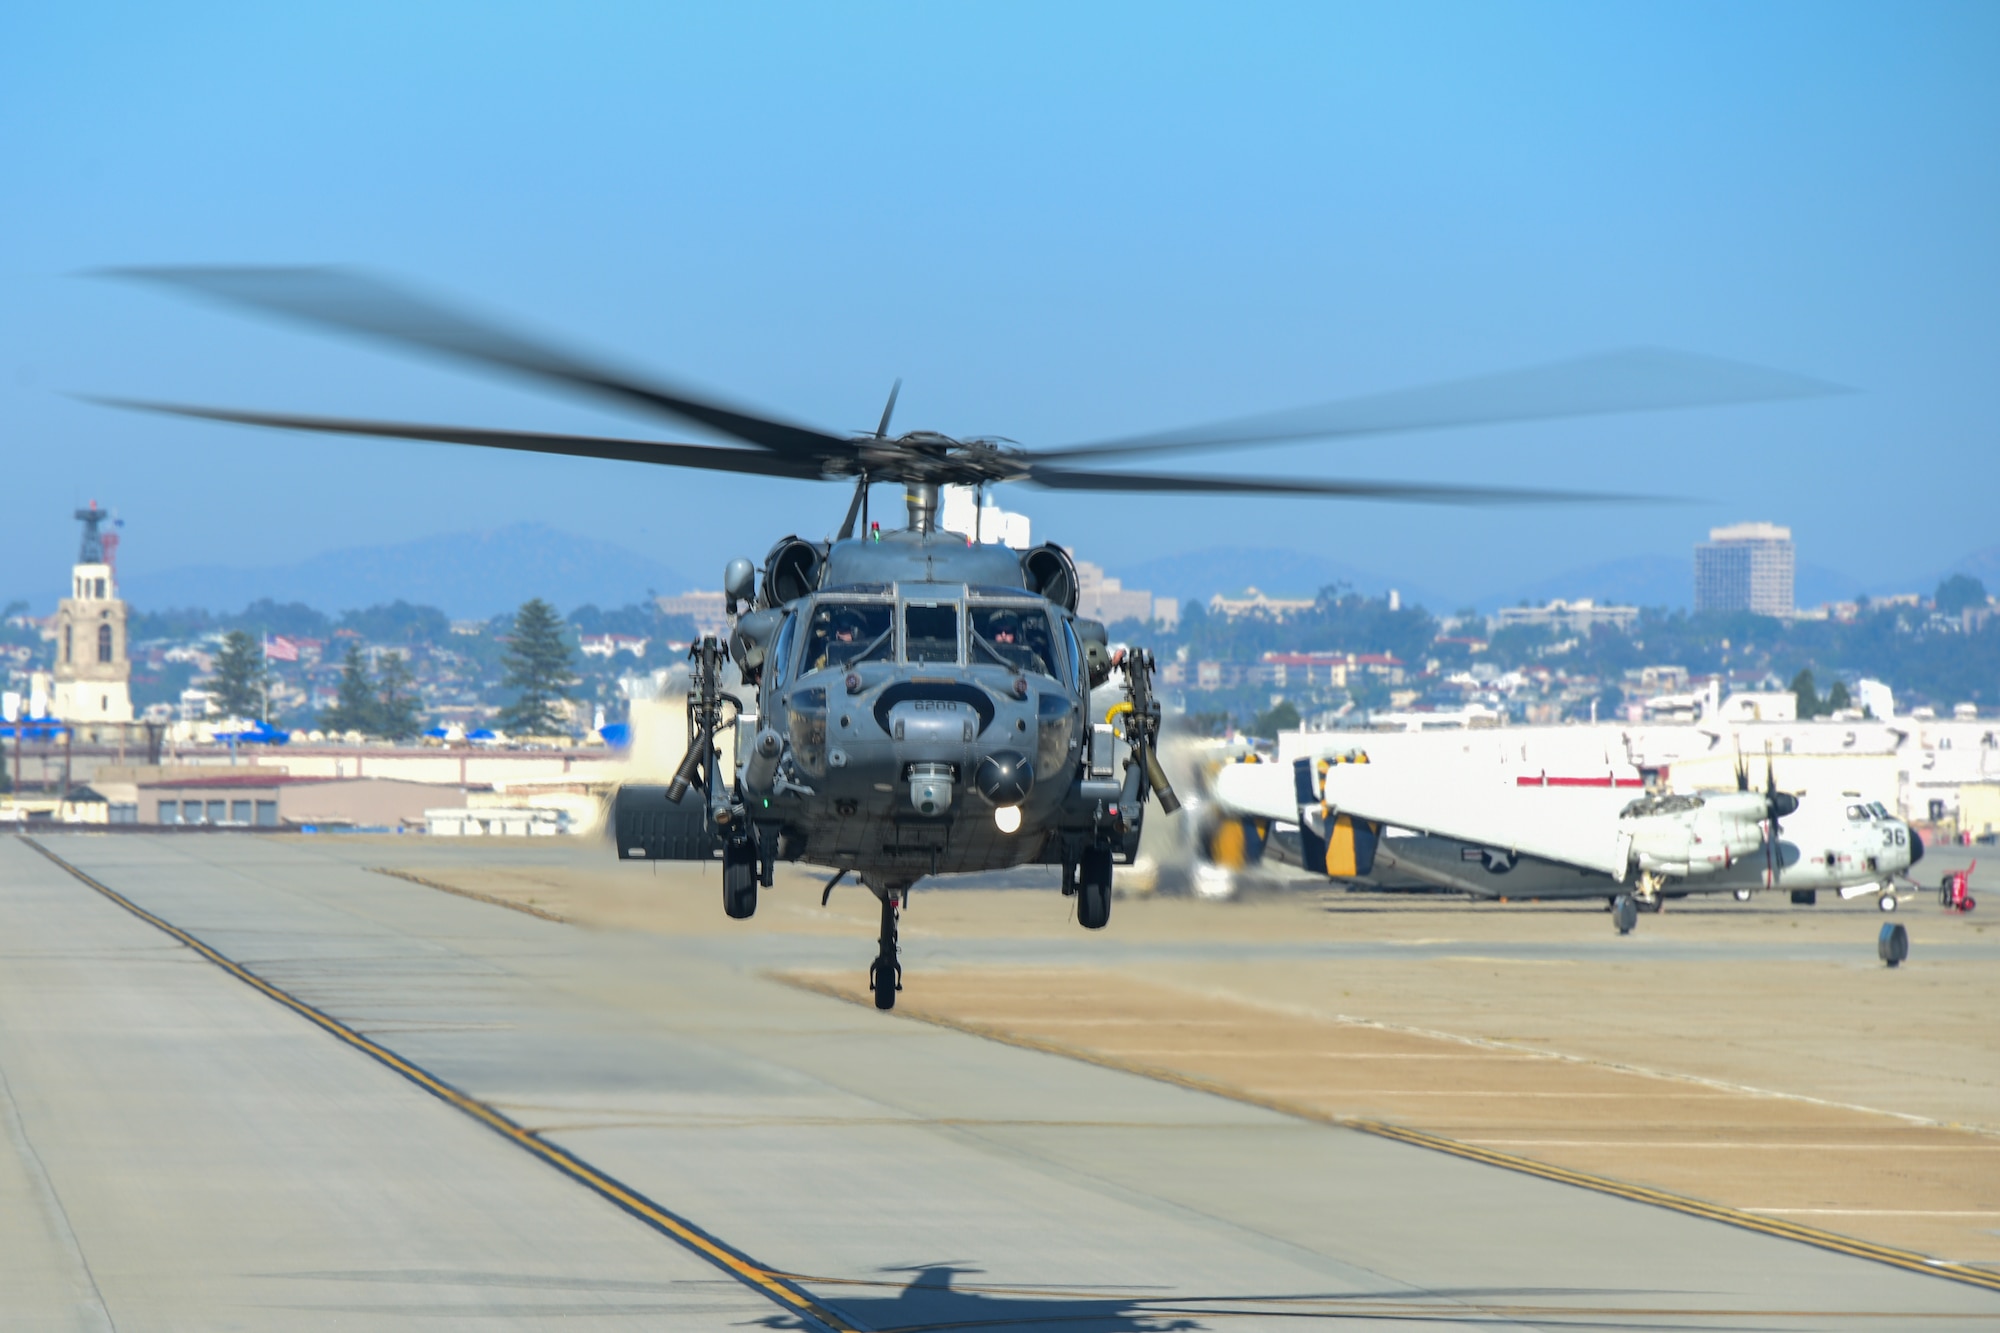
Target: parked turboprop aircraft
(1575, 836)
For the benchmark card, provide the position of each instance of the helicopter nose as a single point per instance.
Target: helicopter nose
(1005, 778)
(1916, 844)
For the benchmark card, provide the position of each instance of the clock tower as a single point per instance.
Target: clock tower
(93, 671)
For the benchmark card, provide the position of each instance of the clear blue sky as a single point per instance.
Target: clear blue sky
(1054, 223)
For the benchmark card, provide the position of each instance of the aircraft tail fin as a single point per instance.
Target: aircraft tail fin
(1343, 848)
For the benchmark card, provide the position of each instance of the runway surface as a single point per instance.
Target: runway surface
(183, 1150)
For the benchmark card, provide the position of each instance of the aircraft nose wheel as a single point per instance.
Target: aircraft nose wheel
(739, 878)
(1887, 902)
(1625, 913)
(885, 974)
(1093, 890)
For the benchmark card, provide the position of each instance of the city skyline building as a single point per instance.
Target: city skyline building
(1580, 616)
(1746, 567)
(971, 513)
(1104, 597)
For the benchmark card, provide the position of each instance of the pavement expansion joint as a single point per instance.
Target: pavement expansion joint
(492, 900)
(1766, 1223)
(1512, 1046)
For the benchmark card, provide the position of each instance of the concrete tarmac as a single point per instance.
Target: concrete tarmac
(183, 1151)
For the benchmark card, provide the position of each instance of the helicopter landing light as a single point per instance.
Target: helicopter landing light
(1007, 818)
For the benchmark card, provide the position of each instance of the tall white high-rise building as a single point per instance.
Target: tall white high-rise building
(964, 514)
(1745, 567)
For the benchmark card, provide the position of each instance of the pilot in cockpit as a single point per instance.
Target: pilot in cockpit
(1005, 637)
(838, 634)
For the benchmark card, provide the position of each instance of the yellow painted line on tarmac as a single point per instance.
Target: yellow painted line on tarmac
(768, 1281)
(1713, 1212)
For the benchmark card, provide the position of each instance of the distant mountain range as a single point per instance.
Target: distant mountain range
(1659, 580)
(1278, 571)
(475, 575)
(1640, 580)
(1982, 565)
(468, 575)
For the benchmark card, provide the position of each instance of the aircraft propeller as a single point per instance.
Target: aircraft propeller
(1777, 805)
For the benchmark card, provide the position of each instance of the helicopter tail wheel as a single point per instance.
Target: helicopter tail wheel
(1093, 898)
(885, 974)
(739, 879)
(1625, 913)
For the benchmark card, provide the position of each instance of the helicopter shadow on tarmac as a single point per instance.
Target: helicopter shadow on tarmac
(933, 1299)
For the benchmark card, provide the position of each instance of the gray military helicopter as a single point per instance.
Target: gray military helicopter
(922, 698)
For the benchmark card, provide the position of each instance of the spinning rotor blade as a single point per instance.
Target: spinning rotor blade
(854, 507)
(888, 410)
(1638, 380)
(713, 458)
(1069, 479)
(352, 302)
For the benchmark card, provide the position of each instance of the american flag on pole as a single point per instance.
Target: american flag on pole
(278, 648)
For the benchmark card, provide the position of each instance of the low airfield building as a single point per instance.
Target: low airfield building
(267, 799)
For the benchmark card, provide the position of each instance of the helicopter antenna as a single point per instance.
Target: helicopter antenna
(888, 410)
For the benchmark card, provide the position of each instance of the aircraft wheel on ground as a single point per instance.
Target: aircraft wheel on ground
(1625, 913)
(739, 880)
(1804, 897)
(882, 980)
(1887, 902)
(1093, 896)
(1743, 895)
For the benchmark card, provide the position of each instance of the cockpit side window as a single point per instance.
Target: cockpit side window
(1075, 651)
(1877, 809)
(1857, 813)
(930, 632)
(843, 633)
(781, 651)
(1015, 637)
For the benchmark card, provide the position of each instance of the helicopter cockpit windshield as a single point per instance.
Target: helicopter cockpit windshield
(930, 632)
(1015, 637)
(843, 633)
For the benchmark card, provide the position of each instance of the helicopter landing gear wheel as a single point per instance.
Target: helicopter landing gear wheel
(885, 974)
(739, 879)
(1887, 902)
(1093, 891)
(1743, 895)
(1624, 913)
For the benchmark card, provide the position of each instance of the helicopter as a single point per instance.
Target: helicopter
(922, 698)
